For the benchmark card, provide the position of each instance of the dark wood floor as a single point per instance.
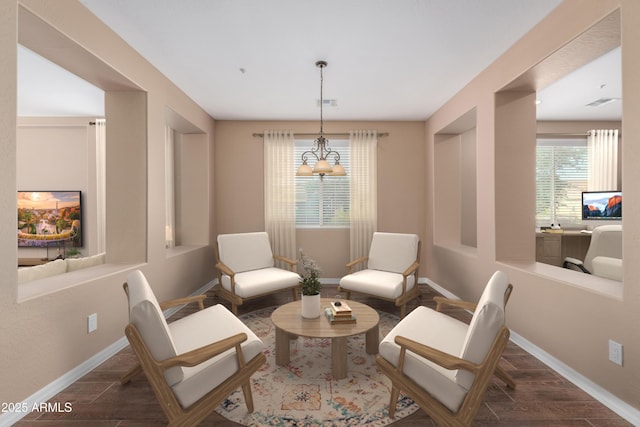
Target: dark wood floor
(541, 398)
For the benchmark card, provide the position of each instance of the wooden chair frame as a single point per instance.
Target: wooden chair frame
(178, 302)
(231, 295)
(470, 306)
(483, 373)
(154, 370)
(405, 296)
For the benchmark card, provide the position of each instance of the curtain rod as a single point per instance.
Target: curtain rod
(552, 134)
(566, 135)
(380, 134)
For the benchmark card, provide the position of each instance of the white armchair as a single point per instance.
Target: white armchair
(604, 256)
(246, 268)
(444, 364)
(194, 362)
(391, 271)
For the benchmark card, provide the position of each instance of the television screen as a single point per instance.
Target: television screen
(602, 205)
(49, 218)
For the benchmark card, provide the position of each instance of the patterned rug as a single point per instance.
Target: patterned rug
(304, 392)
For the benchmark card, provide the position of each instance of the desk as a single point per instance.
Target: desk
(553, 248)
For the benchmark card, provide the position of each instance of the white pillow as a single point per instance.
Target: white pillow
(27, 274)
(74, 264)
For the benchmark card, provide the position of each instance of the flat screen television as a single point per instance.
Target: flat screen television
(602, 205)
(49, 218)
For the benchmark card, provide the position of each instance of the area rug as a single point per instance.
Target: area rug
(304, 392)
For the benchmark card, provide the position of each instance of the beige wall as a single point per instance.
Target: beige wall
(240, 195)
(570, 316)
(43, 338)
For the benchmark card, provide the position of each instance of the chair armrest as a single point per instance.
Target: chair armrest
(183, 301)
(458, 303)
(292, 263)
(574, 264)
(355, 262)
(202, 354)
(412, 268)
(226, 270)
(446, 360)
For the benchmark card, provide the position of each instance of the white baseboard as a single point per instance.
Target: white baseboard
(605, 397)
(55, 387)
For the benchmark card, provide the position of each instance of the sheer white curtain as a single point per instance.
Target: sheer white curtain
(603, 159)
(101, 216)
(279, 192)
(364, 190)
(169, 187)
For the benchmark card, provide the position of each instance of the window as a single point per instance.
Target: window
(322, 202)
(562, 172)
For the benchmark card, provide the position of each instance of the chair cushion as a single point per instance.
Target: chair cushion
(383, 284)
(436, 330)
(146, 315)
(607, 267)
(392, 252)
(202, 328)
(258, 282)
(485, 324)
(245, 251)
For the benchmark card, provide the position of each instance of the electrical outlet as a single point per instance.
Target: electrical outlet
(615, 352)
(92, 322)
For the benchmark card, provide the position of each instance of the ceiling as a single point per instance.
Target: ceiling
(255, 59)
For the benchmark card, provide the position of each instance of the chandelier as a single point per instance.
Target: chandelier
(320, 150)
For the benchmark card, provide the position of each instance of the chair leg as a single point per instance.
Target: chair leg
(393, 402)
(248, 397)
(505, 377)
(133, 372)
(403, 310)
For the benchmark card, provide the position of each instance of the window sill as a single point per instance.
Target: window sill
(49, 285)
(598, 285)
(322, 227)
(459, 249)
(182, 249)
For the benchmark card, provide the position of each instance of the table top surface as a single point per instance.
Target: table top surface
(289, 319)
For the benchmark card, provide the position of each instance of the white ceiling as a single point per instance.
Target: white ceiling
(255, 59)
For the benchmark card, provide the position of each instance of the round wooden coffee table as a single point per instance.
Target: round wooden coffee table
(290, 324)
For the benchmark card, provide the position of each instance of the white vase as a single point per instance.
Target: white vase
(310, 306)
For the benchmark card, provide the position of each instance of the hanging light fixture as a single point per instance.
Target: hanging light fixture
(320, 149)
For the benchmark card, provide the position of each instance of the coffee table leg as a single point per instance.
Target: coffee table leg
(372, 340)
(282, 348)
(339, 358)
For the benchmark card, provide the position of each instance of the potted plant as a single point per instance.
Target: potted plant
(310, 287)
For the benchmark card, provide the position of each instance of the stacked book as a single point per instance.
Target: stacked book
(339, 312)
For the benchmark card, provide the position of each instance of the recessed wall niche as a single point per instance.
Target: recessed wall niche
(455, 183)
(190, 154)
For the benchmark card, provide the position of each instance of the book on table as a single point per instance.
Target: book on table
(340, 309)
(338, 320)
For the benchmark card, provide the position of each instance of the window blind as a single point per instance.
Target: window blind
(562, 173)
(322, 202)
